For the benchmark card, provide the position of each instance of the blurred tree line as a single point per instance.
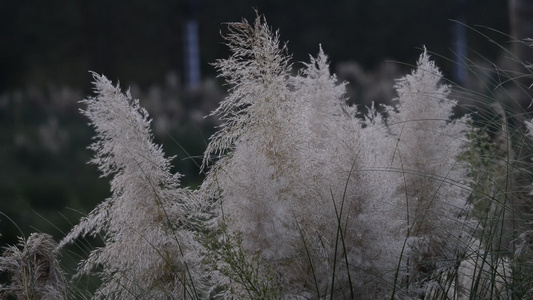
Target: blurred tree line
(48, 47)
(139, 41)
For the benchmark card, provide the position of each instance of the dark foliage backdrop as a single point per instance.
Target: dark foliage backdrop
(139, 41)
(48, 47)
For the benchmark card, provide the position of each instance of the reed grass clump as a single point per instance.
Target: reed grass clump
(307, 197)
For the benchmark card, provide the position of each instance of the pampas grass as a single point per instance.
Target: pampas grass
(305, 196)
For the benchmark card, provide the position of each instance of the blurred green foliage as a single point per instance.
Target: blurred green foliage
(46, 183)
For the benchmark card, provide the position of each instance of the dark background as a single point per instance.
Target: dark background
(57, 41)
(48, 47)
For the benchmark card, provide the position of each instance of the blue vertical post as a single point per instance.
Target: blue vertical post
(191, 49)
(192, 54)
(460, 71)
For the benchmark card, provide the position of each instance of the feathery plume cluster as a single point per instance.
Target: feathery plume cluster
(279, 145)
(302, 199)
(427, 150)
(33, 269)
(329, 203)
(146, 222)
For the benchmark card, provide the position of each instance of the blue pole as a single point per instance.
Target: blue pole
(192, 54)
(460, 71)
